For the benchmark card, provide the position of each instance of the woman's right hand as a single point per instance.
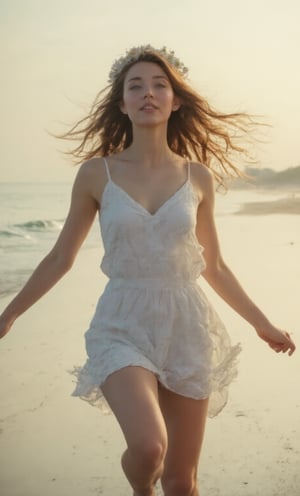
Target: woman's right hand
(5, 326)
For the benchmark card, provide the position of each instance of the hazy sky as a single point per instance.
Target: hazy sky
(55, 56)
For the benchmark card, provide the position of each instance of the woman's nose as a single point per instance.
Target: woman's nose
(148, 92)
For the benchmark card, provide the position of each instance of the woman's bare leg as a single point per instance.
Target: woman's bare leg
(132, 394)
(185, 420)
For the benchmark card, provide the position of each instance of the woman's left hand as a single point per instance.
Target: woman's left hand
(279, 341)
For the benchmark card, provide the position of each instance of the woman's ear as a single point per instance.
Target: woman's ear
(176, 104)
(122, 108)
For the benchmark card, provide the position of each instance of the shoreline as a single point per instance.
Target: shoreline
(289, 206)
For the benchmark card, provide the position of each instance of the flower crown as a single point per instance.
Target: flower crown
(134, 54)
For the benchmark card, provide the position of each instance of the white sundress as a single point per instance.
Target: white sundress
(153, 313)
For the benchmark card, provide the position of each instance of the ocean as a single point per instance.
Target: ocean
(32, 215)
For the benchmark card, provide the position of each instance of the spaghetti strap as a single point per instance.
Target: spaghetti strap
(107, 169)
(188, 171)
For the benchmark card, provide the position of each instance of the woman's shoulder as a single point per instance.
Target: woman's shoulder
(92, 176)
(202, 178)
(91, 167)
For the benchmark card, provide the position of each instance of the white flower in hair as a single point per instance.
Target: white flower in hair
(133, 55)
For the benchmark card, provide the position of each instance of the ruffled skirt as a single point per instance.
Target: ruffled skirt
(170, 329)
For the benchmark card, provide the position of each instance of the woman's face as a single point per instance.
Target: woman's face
(148, 98)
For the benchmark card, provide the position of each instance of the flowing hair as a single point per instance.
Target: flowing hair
(195, 131)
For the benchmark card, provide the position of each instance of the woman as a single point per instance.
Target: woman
(156, 347)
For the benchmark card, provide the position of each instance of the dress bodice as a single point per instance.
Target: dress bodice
(138, 244)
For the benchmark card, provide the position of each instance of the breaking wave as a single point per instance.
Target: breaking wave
(24, 229)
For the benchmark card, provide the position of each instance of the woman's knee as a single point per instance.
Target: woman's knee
(149, 452)
(179, 484)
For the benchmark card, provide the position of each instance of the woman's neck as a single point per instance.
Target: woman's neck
(150, 147)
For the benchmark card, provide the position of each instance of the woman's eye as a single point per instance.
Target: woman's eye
(135, 87)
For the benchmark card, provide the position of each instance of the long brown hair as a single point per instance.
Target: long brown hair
(196, 130)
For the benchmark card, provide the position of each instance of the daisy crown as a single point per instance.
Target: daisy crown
(135, 53)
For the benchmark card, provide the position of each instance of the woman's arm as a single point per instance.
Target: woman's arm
(60, 259)
(220, 277)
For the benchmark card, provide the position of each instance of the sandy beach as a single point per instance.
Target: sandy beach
(55, 445)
